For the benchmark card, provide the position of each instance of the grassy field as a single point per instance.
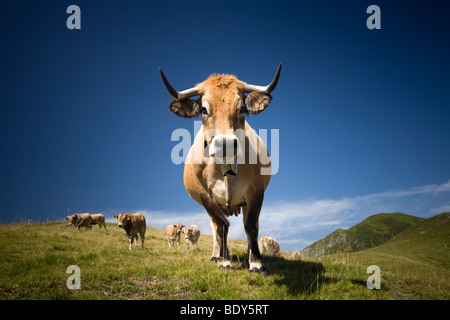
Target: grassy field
(34, 259)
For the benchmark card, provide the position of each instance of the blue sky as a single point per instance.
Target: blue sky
(362, 114)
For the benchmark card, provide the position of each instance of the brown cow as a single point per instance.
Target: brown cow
(269, 245)
(226, 140)
(99, 219)
(69, 221)
(191, 234)
(173, 232)
(132, 224)
(79, 220)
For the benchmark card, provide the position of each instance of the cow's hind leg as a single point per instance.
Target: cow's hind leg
(136, 241)
(130, 242)
(142, 234)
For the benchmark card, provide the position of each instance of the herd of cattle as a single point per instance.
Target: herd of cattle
(134, 224)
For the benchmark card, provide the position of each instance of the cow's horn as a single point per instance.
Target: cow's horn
(176, 94)
(265, 89)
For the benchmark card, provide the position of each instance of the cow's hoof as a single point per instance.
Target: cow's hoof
(225, 265)
(258, 268)
(214, 259)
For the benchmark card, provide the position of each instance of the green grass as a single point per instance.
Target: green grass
(35, 258)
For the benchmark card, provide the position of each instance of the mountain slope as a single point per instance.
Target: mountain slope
(371, 232)
(426, 242)
(416, 262)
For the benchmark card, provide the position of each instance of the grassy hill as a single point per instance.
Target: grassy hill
(416, 260)
(371, 232)
(35, 258)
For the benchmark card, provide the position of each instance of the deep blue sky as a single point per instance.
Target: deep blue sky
(84, 123)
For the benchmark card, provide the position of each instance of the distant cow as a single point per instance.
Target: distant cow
(99, 219)
(268, 245)
(79, 220)
(132, 224)
(173, 234)
(69, 220)
(191, 234)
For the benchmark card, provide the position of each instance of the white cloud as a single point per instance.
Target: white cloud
(316, 218)
(298, 224)
(440, 209)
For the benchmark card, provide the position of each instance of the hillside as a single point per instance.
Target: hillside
(426, 242)
(415, 260)
(371, 232)
(35, 258)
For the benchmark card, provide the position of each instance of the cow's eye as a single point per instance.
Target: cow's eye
(204, 111)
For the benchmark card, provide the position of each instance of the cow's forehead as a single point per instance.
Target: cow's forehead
(223, 87)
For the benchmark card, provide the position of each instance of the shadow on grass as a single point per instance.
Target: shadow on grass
(297, 275)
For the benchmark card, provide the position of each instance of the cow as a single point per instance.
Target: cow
(132, 224)
(269, 245)
(69, 220)
(191, 234)
(224, 141)
(79, 220)
(99, 219)
(173, 232)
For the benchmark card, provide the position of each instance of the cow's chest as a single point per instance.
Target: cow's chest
(227, 192)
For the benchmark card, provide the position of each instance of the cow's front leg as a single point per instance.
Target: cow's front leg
(220, 246)
(216, 248)
(219, 228)
(251, 226)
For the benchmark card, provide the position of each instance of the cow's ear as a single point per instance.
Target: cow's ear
(186, 108)
(256, 102)
(116, 216)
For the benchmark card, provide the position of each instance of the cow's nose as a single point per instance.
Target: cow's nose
(120, 226)
(224, 146)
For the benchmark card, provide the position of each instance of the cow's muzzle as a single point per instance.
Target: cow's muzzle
(225, 149)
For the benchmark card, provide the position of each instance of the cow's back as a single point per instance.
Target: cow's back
(98, 218)
(171, 231)
(268, 245)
